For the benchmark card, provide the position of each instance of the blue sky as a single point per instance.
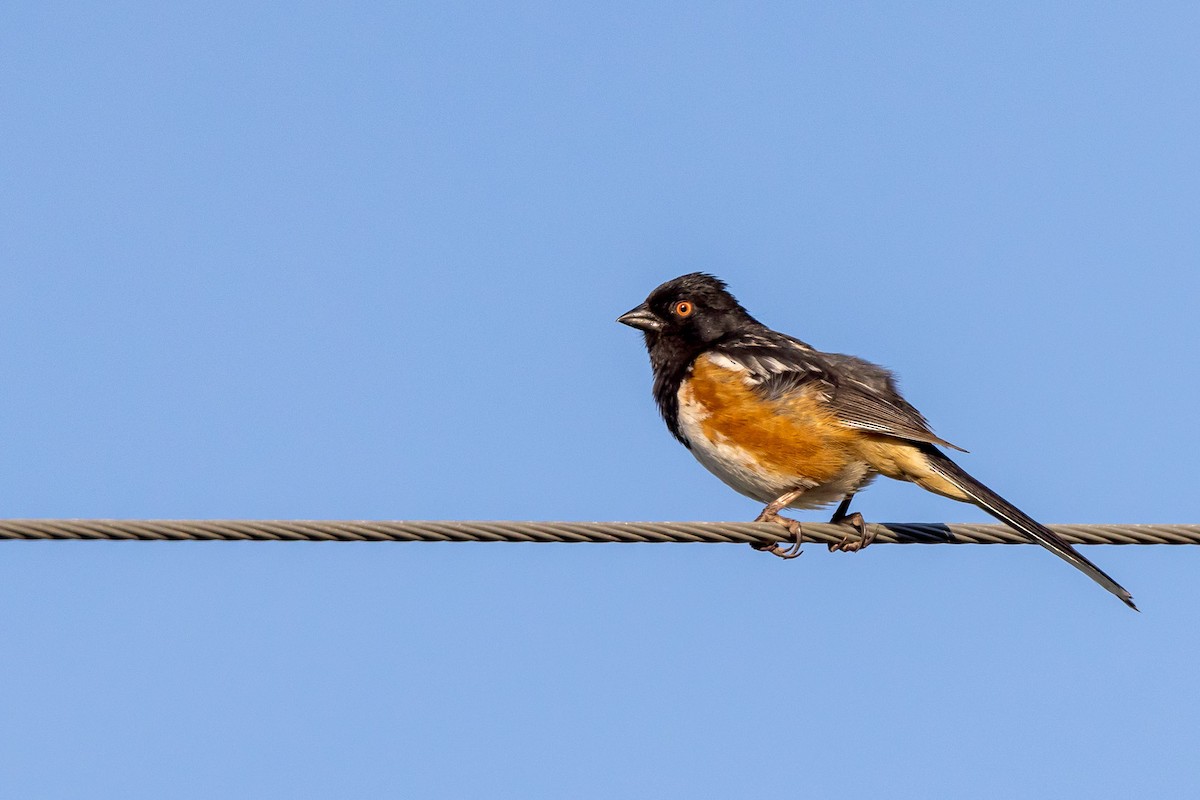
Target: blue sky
(363, 260)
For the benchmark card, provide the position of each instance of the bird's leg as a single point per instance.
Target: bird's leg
(771, 514)
(840, 517)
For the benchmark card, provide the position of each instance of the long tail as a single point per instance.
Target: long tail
(1006, 512)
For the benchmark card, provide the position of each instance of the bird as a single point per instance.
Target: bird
(793, 427)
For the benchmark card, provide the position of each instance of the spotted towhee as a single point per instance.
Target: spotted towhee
(793, 427)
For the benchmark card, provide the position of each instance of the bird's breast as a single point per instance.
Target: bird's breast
(764, 447)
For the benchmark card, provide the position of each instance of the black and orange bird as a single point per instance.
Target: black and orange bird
(793, 427)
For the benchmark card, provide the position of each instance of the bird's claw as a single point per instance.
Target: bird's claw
(774, 548)
(851, 543)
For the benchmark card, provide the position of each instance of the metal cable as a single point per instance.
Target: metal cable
(506, 531)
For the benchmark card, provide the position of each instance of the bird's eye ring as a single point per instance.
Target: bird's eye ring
(683, 308)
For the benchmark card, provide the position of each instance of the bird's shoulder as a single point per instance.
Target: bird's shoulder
(772, 362)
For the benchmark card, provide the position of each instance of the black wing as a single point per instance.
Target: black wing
(862, 394)
(867, 398)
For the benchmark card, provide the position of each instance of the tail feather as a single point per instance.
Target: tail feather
(1005, 511)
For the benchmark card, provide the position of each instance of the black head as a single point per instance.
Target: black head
(692, 310)
(681, 319)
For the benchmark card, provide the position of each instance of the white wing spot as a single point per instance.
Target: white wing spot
(725, 362)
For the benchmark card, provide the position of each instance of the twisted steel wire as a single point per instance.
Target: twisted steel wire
(509, 531)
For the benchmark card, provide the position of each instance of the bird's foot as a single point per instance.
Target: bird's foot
(792, 526)
(851, 543)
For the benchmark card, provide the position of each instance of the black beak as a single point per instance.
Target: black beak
(641, 318)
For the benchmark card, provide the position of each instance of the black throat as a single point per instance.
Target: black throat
(671, 359)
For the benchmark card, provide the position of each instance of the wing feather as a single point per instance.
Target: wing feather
(862, 395)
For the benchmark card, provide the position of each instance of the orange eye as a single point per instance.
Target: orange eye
(683, 309)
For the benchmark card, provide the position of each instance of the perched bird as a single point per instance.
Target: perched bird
(793, 427)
